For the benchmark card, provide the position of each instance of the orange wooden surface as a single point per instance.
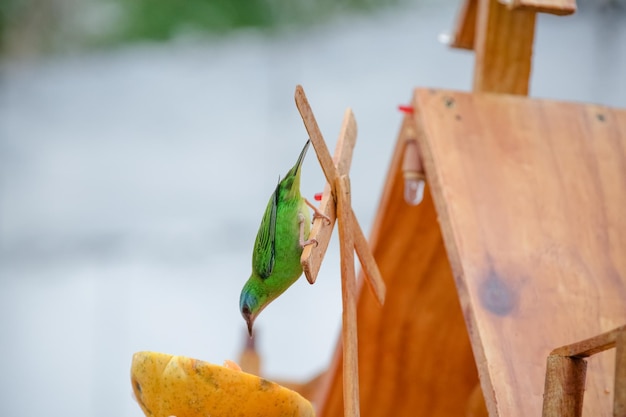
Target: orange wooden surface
(414, 352)
(531, 198)
(504, 47)
(558, 7)
(565, 385)
(312, 255)
(464, 31)
(312, 258)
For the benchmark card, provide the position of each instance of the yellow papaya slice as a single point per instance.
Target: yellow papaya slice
(167, 385)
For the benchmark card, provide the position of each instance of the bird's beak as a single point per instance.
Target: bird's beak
(249, 318)
(249, 321)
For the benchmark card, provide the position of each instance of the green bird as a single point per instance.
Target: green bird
(283, 234)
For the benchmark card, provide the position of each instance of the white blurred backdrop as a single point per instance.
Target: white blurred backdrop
(133, 181)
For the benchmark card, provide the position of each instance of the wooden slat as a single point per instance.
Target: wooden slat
(619, 387)
(530, 198)
(565, 377)
(592, 345)
(312, 255)
(371, 271)
(558, 7)
(414, 352)
(504, 47)
(464, 32)
(565, 387)
(348, 299)
(465, 27)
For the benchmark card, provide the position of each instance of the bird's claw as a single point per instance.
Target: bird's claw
(320, 215)
(309, 242)
(317, 214)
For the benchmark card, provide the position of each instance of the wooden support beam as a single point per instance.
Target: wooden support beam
(504, 47)
(565, 375)
(591, 346)
(348, 297)
(619, 388)
(558, 7)
(370, 269)
(464, 31)
(565, 386)
(351, 238)
(312, 255)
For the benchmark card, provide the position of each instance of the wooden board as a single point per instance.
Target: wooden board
(504, 48)
(558, 7)
(531, 198)
(414, 352)
(464, 31)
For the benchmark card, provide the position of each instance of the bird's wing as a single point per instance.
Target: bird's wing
(265, 245)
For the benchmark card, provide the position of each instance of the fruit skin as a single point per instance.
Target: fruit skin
(167, 385)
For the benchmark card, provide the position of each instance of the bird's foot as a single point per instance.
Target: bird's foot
(317, 214)
(308, 242)
(301, 240)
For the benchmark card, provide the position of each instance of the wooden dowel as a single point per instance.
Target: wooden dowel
(348, 297)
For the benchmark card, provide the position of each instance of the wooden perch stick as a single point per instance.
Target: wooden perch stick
(590, 346)
(311, 260)
(348, 298)
(368, 263)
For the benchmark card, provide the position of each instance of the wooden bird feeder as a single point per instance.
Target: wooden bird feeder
(500, 285)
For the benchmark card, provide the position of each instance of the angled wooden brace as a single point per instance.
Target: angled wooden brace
(566, 370)
(351, 238)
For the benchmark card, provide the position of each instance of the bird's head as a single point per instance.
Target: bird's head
(251, 303)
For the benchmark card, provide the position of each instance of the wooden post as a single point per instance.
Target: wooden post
(504, 48)
(502, 32)
(565, 375)
(565, 386)
(348, 297)
(619, 400)
(351, 238)
(372, 274)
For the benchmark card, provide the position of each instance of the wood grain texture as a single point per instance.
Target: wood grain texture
(372, 273)
(504, 48)
(464, 31)
(558, 7)
(619, 387)
(530, 196)
(565, 387)
(348, 299)
(414, 352)
(313, 255)
(591, 346)
(564, 393)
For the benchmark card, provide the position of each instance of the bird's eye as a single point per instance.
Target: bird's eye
(245, 310)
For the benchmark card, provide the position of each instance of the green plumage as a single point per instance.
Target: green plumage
(277, 249)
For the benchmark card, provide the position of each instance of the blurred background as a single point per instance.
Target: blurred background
(141, 139)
